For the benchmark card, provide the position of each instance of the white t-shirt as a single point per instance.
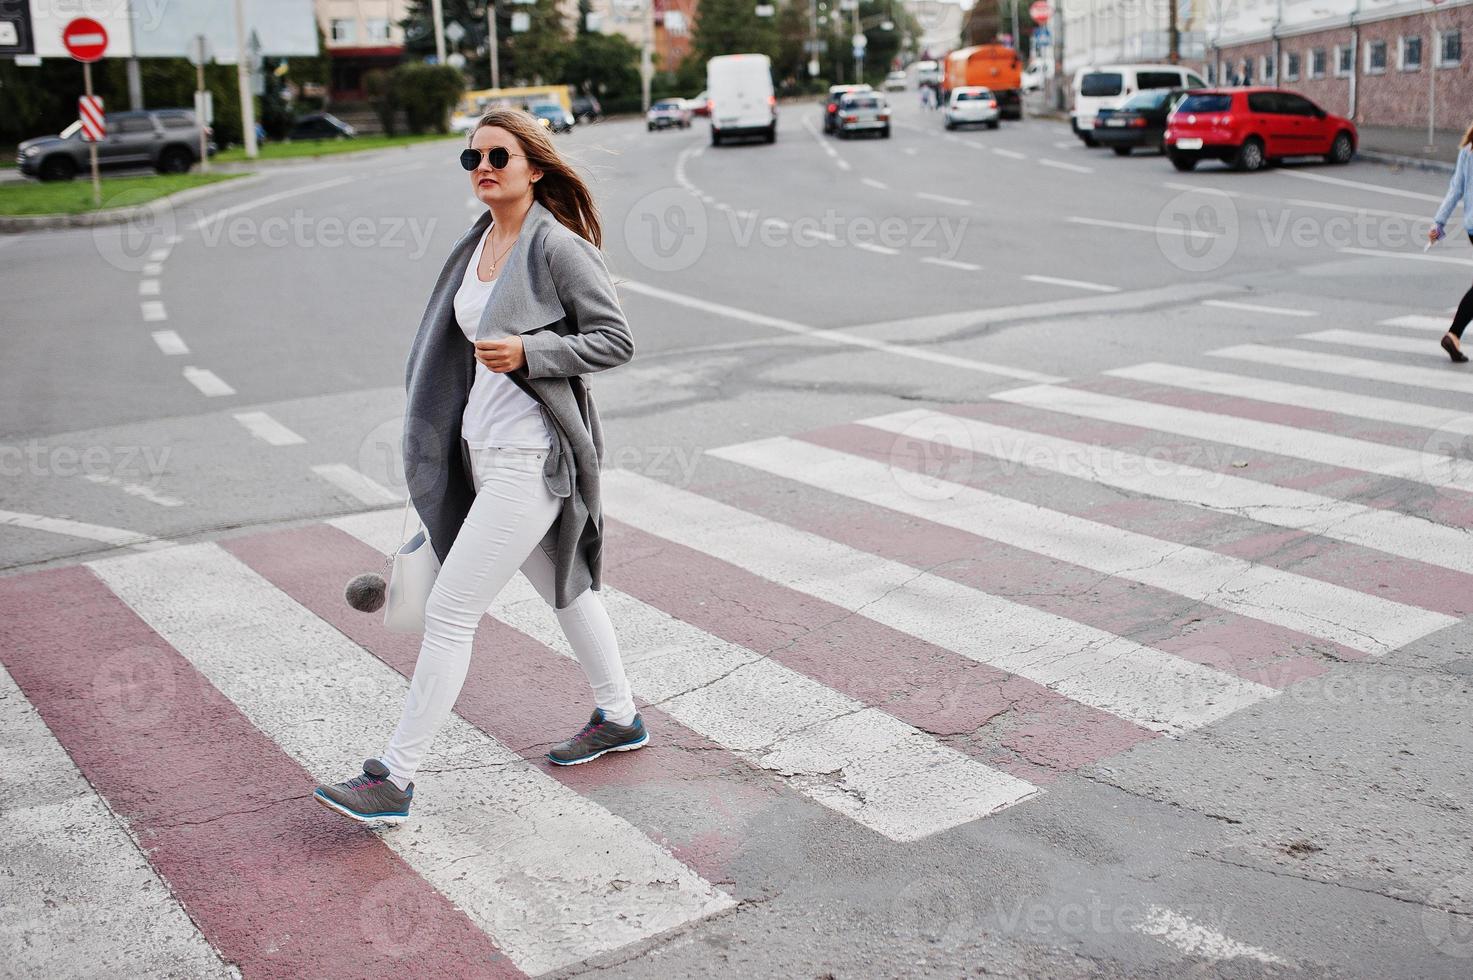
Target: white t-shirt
(497, 413)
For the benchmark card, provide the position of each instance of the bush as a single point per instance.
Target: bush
(427, 93)
(384, 97)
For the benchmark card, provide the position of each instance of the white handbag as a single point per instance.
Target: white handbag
(412, 572)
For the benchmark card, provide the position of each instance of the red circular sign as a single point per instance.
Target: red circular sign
(1040, 11)
(85, 39)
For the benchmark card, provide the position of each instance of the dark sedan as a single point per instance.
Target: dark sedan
(1141, 121)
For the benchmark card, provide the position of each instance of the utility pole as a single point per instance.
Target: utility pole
(647, 56)
(1173, 32)
(438, 13)
(243, 78)
(493, 42)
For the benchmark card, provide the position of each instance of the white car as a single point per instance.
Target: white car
(1109, 86)
(895, 81)
(971, 105)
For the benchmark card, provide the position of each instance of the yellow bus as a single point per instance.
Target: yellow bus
(475, 103)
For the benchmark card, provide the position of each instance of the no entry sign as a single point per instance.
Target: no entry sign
(84, 39)
(1040, 11)
(89, 110)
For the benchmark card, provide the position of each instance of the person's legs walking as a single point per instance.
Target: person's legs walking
(512, 510)
(1461, 319)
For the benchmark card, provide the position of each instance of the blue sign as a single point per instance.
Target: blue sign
(1042, 36)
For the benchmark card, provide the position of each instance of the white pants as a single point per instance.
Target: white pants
(512, 511)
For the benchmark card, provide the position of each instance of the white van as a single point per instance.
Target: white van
(739, 94)
(1108, 86)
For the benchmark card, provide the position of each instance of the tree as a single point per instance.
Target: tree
(730, 27)
(522, 58)
(605, 65)
(427, 94)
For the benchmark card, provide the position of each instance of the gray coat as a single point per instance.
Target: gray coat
(556, 292)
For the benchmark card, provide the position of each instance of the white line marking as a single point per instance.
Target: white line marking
(1155, 229)
(490, 830)
(158, 255)
(1227, 304)
(1010, 154)
(1360, 185)
(362, 488)
(1300, 396)
(153, 311)
(1060, 165)
(1205, 189)
(69, 834)
(952, 264)
(208, 382)
(148, 287)
(842, 754)
(1352, 209)
(134, 489)
(1097, 287)
(1415, 321)
(878, 185)
(943, 199)
(1195, 939)
(267, 429)
(1350, 367)
(1341, 615)
(1411, 256)
(843, 164)
(115, 536)
(1135, 682)
(836, 336)
(153, 269)
(877, 249)
(1270, 437)
(170, 342)
(1377, 341)
(269, 199)
(1384, 530)
(910, 151)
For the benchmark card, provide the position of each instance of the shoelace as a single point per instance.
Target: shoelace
(363, 782)
(590, 727)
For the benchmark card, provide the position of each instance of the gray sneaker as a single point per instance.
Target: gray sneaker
(369, 798)
(597, 737)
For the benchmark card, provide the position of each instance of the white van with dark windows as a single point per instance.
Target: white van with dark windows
(740, 96)
(1109, 86)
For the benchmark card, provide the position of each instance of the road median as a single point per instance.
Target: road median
(40, 206)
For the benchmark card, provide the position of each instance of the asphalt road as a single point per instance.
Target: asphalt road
(1291, 802)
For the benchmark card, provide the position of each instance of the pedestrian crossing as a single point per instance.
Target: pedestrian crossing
(890, 627)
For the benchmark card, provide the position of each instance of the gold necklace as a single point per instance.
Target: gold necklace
(497, 258)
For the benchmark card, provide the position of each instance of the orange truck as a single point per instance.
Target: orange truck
(995, 66)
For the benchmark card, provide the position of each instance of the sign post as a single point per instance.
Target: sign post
(199, 53)
(86, 41)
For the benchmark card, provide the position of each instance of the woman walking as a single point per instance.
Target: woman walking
(1460, 188)
(502, 446)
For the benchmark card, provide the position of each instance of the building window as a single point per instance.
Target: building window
(1247, 71)
(1291, 66)
(1375, 57)
(1266, 69)
(1344, 60)
(1409, 56)
(1317, 63)
(376, 28)
(1449, 49)
(342, 30)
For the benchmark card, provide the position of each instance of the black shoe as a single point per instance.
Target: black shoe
(1451, 346)
(597, 737)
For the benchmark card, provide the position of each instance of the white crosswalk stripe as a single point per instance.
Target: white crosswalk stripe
(1349, 367)
(857, 760)
(1300, 396)
(1376, 341)
(1285, 440)
(280, 664)
(1136, 682)
(1354, 619)
(1417, 321)
(1384, 530)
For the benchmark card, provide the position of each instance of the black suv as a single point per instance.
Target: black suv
(165, 139)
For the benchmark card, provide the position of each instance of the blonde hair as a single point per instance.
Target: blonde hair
(561, 190)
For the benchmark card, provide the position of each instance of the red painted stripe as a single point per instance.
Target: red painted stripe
(1005, 721)
(278, 885)
(680, 790)
(1236, 644)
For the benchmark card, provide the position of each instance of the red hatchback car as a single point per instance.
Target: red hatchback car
(1247, 128)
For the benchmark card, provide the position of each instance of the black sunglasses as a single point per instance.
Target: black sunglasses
(497, 156)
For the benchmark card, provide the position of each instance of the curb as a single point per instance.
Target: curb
(249, 166)
(21, 223)
(1409, 163)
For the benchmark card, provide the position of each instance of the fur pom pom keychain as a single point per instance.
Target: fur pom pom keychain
(366, 592)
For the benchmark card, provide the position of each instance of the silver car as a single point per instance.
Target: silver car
(970, 105)
(862, 112)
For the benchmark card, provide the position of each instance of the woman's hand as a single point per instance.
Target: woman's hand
(1433, 234)
(502, 355)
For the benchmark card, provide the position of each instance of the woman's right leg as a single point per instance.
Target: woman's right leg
(1452, 340)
